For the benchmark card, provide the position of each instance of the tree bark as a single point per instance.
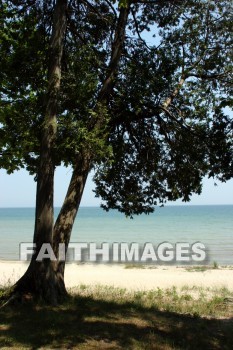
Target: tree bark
(64, 223)
(45, 279)
(65, 220)
(42, 278)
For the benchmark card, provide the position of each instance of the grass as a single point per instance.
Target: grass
(198, 268)
(202, 268)
(134, 266)
(139, 266)
(104, 317)
(192, 268)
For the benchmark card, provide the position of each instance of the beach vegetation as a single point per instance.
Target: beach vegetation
(198, 268)
(138, 91)
(102, 317)
(203, 268)
(134, 266)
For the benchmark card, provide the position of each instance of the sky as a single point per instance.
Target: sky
(19, 190)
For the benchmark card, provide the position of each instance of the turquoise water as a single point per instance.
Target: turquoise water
(211, 225)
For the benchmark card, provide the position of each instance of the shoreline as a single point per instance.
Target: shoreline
(131, 276)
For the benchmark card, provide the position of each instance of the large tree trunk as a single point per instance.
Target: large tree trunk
(65, 220)
(64, 224)
(42, 278)
(46, 279)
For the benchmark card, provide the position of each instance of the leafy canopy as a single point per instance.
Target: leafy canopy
(166, 123)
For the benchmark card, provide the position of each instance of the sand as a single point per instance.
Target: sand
(133, 278)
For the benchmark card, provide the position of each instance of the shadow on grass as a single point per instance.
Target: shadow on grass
(86, 323)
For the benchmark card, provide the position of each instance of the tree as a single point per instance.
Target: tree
(84, 83)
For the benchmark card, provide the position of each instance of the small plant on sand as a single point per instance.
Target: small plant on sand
(134, 266)
(197, 268)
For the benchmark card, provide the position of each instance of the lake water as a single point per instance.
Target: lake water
(211, 225)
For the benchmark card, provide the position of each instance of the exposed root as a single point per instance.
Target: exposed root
(15, 297)
(42, 283)
(18, 296)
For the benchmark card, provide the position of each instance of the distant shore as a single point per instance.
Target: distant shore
(130, 276)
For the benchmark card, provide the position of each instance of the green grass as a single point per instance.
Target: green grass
(104, 317)
(134, 266)
(203, 268)
(140, 266)
(198, 268)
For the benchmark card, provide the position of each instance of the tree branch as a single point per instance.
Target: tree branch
(138, 33)
(93, 8)
(170, 99)
(117, 48)
(206, 76)
(173, 117)
(113, 9)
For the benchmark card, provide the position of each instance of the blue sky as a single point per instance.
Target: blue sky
(19, 189)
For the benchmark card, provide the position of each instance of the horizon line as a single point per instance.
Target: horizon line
(98, 206)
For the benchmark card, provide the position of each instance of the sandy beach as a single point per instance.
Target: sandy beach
(130, 278)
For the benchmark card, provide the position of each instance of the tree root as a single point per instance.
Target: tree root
(11, 300)
(41, 283)
(13, 297)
